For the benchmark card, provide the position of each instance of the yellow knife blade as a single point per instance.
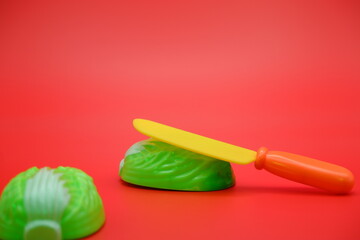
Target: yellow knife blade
(194, 142)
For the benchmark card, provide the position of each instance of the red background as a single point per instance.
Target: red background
(280, 74)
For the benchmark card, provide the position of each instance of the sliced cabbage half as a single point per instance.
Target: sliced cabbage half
(156, 164)
(50, 204)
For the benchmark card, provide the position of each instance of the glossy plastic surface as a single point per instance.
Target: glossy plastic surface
(50, 204)
(281, 74)
(194, 142)
(156, 164)
(309, 171)
(294, 167)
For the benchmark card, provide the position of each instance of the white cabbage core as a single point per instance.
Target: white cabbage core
(45, 200)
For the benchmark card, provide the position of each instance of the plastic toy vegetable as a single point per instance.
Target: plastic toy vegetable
(50, 204)
(323, 175)
(157, 164)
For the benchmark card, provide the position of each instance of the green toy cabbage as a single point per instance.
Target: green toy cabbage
(156, 164)
(50, 204)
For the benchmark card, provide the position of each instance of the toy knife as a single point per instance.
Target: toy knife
(309, 171)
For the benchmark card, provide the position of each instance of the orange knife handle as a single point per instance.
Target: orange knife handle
(306, 170)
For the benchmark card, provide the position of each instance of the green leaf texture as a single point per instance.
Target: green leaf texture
(156, 164)
(69, 198)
